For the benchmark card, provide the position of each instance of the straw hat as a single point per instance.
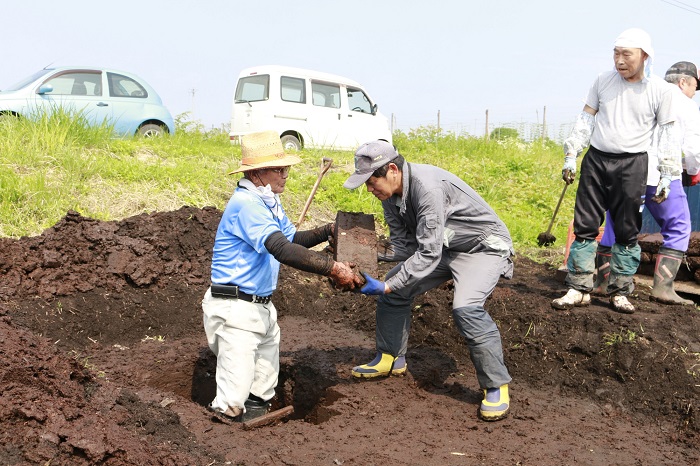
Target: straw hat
(263, 150)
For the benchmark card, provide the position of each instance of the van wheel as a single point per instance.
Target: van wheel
(291, 143)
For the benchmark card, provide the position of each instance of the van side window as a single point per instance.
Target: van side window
(325, 94)
(253, 88)
(293, 89)
(358, 101)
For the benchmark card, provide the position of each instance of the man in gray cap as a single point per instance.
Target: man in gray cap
(672, 215)
(621, 112)
(440, 230)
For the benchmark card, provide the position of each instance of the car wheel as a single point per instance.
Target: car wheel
(291, 143)
(151, 130)
(8, 117)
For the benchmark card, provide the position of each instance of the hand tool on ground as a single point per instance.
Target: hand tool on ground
(325, 165)
(547, 238)
(269, 418)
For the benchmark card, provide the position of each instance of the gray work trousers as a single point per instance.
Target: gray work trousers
(475, 276)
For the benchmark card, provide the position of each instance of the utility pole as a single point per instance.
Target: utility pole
(192, 92)
(486, 133)
(544, 125)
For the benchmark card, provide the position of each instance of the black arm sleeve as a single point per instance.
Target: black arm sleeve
(311, 238)
(297, 256)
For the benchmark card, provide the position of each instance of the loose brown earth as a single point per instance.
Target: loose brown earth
(105, 362)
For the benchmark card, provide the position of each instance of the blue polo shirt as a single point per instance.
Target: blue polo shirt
(240, 257)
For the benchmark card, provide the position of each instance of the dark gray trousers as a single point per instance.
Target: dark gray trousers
(475, 276)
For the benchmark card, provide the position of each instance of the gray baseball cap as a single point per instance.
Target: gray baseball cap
(368, 157)
(686, 68)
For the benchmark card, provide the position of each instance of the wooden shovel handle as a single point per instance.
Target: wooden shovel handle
(325, 165)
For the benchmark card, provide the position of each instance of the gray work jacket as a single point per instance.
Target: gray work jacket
(436, 212)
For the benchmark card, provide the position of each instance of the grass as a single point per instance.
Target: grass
(57, 163)
(624, 335)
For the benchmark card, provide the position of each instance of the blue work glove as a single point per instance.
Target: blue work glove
(373, 286)
(568, 173)
(662, 190)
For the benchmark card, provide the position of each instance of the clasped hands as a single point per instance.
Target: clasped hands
(344, 278)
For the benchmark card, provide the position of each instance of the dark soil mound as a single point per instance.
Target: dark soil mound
(105, 362)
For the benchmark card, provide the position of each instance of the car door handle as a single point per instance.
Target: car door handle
(102, 104)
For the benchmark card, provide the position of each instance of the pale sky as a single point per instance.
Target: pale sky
(414, 58)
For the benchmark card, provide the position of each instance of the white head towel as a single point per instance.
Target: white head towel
(638, 39)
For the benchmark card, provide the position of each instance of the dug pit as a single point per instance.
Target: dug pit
(307, 388)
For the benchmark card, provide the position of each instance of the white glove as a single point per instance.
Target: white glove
(662, 190)
(568, 173)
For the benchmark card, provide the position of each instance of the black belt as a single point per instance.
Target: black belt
(232, 292)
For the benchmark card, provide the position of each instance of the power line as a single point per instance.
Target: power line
(685, 6)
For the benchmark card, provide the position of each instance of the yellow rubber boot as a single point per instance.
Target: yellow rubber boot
(382, 365)
(496, 404)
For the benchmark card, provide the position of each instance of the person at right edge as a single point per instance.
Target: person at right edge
(622, 109)
(440, 230)
(672, 215)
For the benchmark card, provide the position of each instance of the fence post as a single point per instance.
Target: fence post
(486, 133)
(544, 125)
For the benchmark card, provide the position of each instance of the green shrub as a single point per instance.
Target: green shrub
(501, 134)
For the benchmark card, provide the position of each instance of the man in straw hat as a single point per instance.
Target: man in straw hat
(672, 215)
(622, 109)
(441, 230)
(254, 237)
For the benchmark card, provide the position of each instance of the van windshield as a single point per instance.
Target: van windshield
(253, 88)
(358, 101)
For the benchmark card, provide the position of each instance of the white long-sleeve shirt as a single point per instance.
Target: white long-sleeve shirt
(687, 124)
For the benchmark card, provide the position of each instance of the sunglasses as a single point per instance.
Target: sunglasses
(284, 171)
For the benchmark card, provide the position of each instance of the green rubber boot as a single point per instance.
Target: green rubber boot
(668, 261)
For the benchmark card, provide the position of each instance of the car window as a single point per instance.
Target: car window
(325, 94)
(293, 90)
(253, 88)
(76, 83)
(358, 101)
(124, 86)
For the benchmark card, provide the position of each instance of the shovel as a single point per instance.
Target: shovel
(325, 165)
(546, 238)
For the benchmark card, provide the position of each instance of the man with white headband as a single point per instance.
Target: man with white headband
(621, 112)
(672, 215)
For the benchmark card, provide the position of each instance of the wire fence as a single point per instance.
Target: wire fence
(481, 127)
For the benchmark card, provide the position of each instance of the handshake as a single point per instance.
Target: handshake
(344, 278)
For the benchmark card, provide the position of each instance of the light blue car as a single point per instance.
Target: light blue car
(122, 99)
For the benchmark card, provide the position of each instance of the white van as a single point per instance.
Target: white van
(307, 109)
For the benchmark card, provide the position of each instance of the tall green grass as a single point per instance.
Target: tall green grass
(58, 163)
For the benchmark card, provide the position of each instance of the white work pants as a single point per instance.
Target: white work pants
(245, 338)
